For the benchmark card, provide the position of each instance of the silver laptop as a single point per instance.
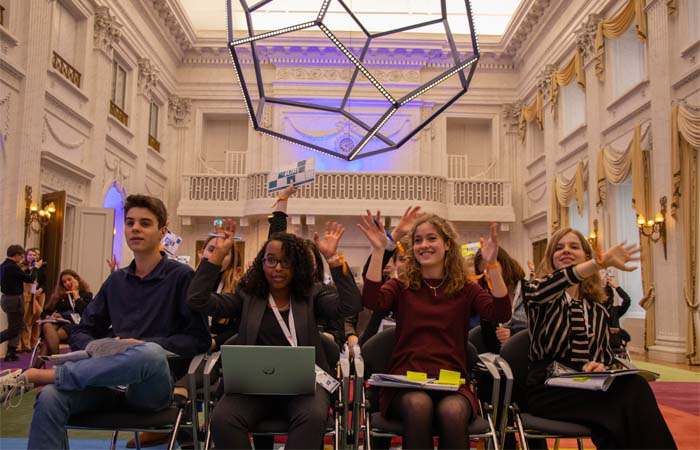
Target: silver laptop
(268, 370)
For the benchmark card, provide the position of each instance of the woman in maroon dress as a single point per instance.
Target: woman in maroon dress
(432, 302)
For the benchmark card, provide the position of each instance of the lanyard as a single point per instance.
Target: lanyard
(289, 331)
(71, 301)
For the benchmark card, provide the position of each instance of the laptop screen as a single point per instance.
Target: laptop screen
(268, 370)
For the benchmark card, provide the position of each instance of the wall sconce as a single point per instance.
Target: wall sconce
(34, 215)
(655, 229)
(593, 236)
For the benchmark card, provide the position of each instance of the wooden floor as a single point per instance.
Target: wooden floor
(644, 357)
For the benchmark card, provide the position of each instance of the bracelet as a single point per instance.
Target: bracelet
(495, 265)
(333, 258)
(282, 198)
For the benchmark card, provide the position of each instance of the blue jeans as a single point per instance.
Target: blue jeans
(87, 385)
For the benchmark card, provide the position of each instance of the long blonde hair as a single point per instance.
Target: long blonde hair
(590, 287)
(455, 269)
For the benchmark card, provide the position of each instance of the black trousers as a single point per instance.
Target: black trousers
(13, 305)
(626, 416)
(236, 415)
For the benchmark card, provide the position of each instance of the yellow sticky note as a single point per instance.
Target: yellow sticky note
(416, 376)
(580, 379)
(449, 377)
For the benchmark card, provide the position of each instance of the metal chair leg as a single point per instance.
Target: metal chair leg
(113, 444)
(137, 440)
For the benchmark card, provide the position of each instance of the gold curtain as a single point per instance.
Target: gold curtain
(614, 166)
(562, 77)
(640, 201)
(685, 144)
(531, 112)
(617, 26)
(563, 192)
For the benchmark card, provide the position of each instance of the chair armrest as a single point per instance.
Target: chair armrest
(212, 359)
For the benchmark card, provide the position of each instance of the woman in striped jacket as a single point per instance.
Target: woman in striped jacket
(568, 323)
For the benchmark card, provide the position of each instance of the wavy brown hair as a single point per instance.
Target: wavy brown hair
(591, 287)
(60, 291)
(511, 270)
(455, 269)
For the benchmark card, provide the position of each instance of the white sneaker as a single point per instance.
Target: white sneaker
(13, 384)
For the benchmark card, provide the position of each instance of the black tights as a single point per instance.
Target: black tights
(418, 410)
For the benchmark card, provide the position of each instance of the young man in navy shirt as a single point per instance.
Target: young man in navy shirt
(144, 303)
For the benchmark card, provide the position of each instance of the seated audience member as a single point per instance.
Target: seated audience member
(493, 333)
(143, 303)
(34, 299)
(12, 279)
(361, 327)
(67, 303)
(568, 323)
(276, 295)
(619, 337)
(223, 328)
(432, 302)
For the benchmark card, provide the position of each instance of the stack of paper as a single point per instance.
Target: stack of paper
(596, 381)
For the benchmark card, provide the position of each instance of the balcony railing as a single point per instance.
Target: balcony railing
(153, 143)
(334, 186)
(65, 69)
(117, 112)
(235, 162)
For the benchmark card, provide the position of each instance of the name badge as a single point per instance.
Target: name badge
(326, 381)
(75, 317)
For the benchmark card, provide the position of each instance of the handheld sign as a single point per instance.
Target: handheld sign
(301, 173)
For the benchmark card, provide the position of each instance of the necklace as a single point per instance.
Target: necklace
(434, 288)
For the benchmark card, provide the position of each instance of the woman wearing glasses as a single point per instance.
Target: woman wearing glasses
(278, 303)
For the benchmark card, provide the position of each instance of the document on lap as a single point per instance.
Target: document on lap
(413, 380)
(596, 381)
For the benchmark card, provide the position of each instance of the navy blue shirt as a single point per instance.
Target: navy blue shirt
(152, 309)
(12, 278)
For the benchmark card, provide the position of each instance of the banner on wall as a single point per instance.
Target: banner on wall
(300, 173)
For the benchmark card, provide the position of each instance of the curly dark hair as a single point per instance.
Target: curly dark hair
(510, 269)
(318, 260)
(296, 251)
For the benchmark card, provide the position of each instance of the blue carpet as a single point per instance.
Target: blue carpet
(75, 444)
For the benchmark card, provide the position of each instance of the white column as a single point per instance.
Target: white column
(670, 309)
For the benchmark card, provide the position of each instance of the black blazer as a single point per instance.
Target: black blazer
(321, 302)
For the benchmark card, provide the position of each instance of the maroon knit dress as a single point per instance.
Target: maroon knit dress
(431, 330)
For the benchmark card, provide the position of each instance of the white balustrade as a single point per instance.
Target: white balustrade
(456, 167)
(353, 186)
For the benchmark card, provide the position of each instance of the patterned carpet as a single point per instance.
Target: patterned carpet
(677, 391)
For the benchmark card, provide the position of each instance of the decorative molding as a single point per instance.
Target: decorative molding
(526, 26)
(107, 30)
(116, 169)
(511, 115)
(5, 113)
(544, 79)
(62, 175)
(147, 77)
(179, 111)
(585, 35)
(58, 136)
(172, 23)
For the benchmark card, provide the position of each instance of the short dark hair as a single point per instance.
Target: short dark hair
(154, 205)
(14, 250)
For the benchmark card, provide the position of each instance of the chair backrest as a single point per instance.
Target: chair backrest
(515, 351)
(477, 339)
(376, 352)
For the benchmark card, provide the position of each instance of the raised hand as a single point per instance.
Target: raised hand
(331, 236)
(289, 191)
(619, 255)
(113, 264)
(373, 229)
(489, 248)
(409, 217)
(222, 245)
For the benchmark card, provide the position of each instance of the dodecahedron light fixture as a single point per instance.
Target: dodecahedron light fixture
(365, 110)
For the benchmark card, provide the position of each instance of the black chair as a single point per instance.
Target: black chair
(168, 420)
(477, 339)
(513, 361)
(376, 354)
(279, 425)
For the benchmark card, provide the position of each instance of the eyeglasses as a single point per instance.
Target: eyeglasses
(271, 262)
